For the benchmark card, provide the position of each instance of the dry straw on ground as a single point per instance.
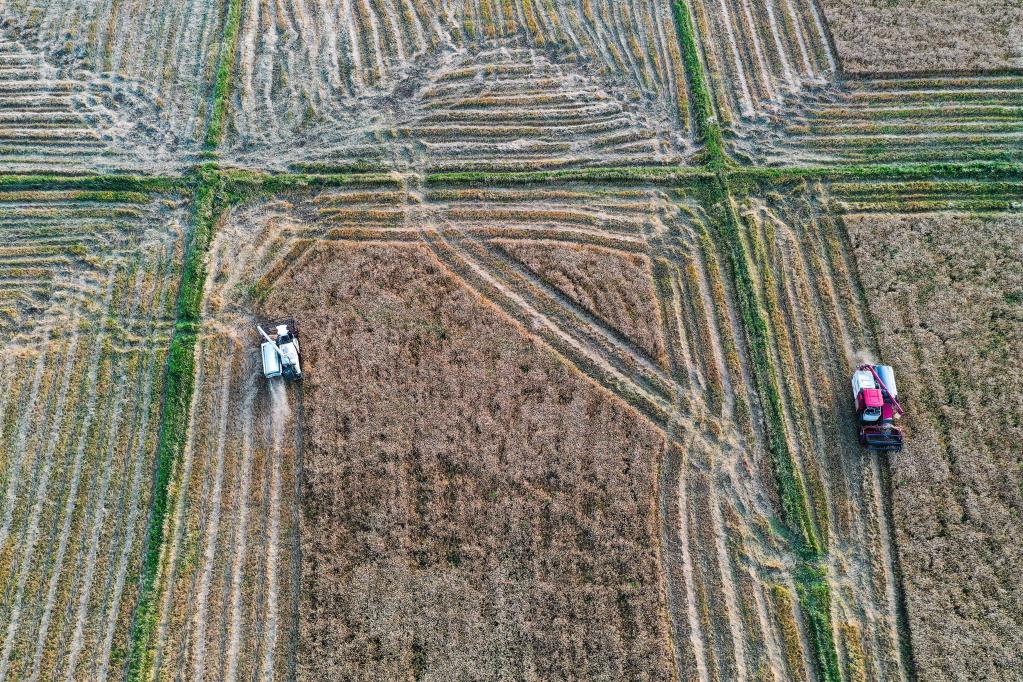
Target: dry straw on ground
(926, 35)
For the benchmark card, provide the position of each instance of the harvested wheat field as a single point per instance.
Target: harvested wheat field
(466, 84)
(498, 514)
(564, 300)
(877, 36)
(90, 281)
(101, 86)
(953, 319)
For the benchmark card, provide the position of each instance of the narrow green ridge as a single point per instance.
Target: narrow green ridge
(209, 201)
(179, 384)
(225, 67)
(708, 130)
(95, 183)
(810, 576)
(661, 175)
(812, 588)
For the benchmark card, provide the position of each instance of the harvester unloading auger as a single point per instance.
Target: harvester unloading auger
(281, 352)
(877, 407)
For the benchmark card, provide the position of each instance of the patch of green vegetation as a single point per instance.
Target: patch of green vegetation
(815, 603)
(222, 86)
(795, 505)
(246, 184)
(659, 175)
(750, 179)
(93, 183)
(707, 128)
(207, 208)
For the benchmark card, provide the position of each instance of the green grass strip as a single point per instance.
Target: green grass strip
(94, 183)
(661, 175)
(794, 498)
(225, 67)
(815, 602)
(750, 179)
(240, 182)
(707, 128)
(810, 578)
(174, 418)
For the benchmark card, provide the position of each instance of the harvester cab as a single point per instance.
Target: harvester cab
(877, 407)
(280, 352)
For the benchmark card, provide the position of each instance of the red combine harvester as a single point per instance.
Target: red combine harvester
(877, 407)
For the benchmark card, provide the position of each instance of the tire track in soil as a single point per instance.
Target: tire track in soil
(18, 456)
(705, 659)
(197, 524)
(133, 515)
(280, 413)
(98, 515)
(98, 503)
(463, 265)
(727, 580)
(296, 548)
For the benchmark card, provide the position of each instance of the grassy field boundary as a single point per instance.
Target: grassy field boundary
(225, 67)
(660, 175)
(708, 130)
(208, 204)
(206, 210)
(813, 590)
(95, 183)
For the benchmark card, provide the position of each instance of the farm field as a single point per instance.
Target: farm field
(579, 287)
(470, 84)
(90, 279)
(784, 95)
(101, 86)
(952, 316)
(874, 36)
(676, 364)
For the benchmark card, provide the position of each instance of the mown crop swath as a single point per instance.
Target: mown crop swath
(779, 93)
(90, 279)
(806, 277)
(103, 86)
(761, 54)
(225, 595)
(618, 82)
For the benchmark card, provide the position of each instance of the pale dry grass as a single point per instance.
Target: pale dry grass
(946, 291)
(926, 35)
(473, 509)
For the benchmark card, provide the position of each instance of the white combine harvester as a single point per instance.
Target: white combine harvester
(281, 352)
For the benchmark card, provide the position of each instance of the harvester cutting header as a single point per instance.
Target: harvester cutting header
(877, 407)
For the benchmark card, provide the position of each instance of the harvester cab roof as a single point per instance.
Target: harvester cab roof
(877, 407)
(280, 352)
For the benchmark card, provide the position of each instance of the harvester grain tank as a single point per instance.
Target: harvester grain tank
(877, 407)
(280, 352)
